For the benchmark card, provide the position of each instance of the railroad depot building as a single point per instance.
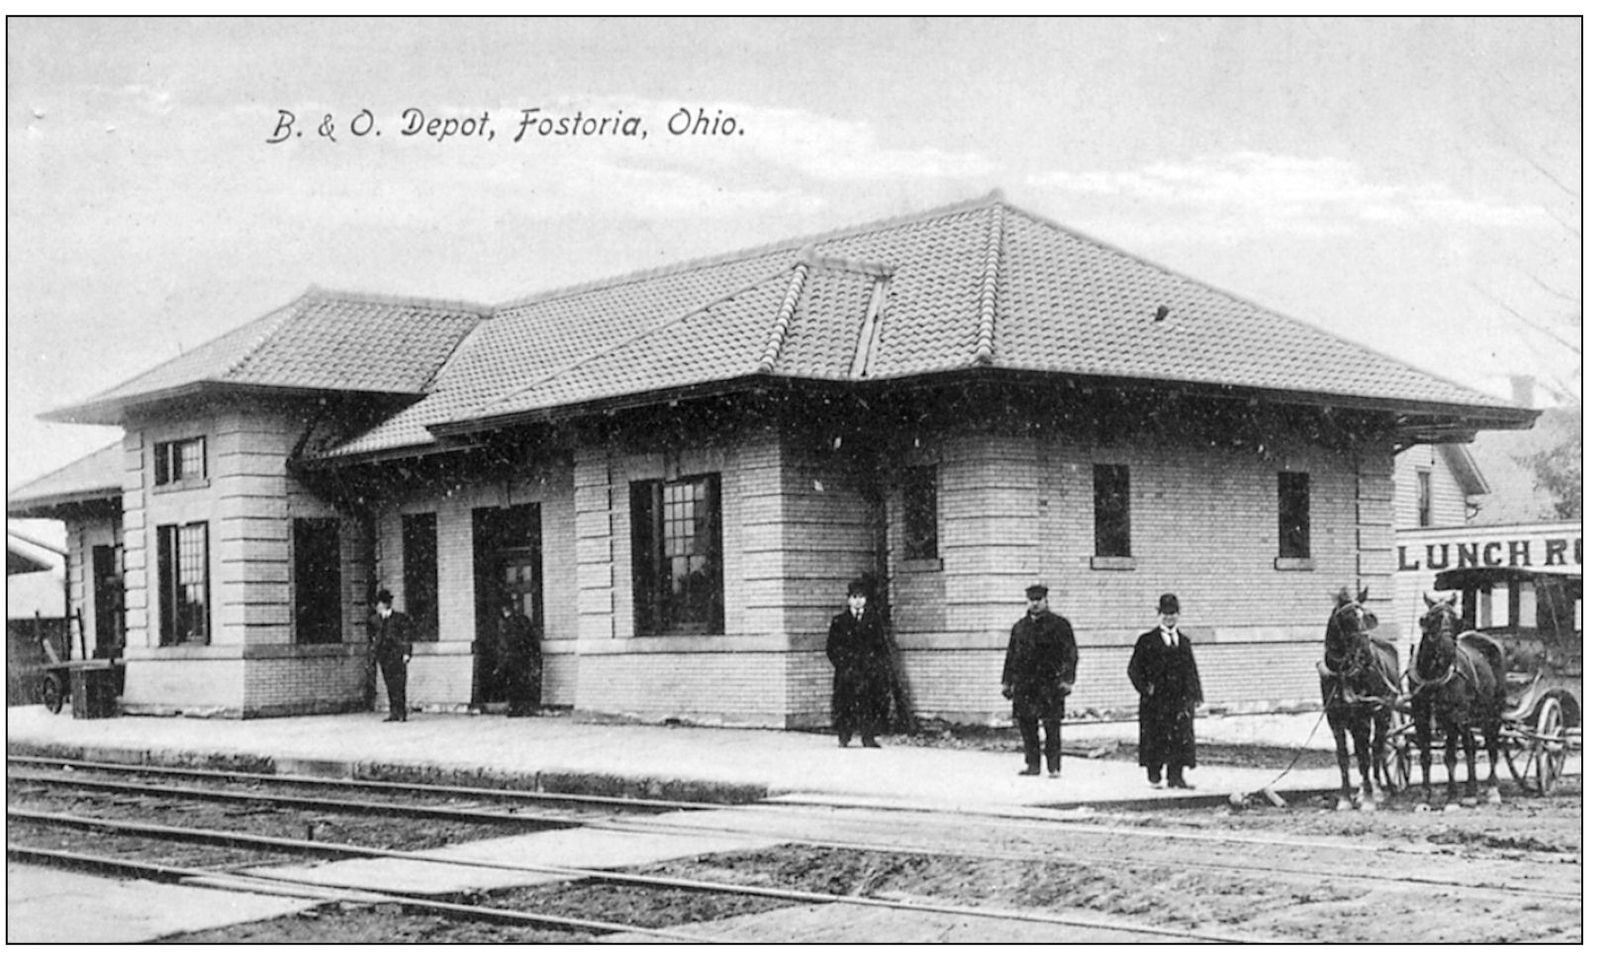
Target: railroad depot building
(678, 472)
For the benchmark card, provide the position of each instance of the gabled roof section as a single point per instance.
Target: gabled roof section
(323, 341)
(1465, 469)
(95, 477)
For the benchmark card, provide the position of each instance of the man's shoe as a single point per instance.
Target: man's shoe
(872, 744)
(1180, 785)
(1156, 784)
(391, 719)
(1054, 773)
(1029, 772)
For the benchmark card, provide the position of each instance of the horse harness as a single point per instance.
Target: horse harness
(1354, 666)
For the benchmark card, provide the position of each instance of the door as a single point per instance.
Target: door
(507, 561)
(108, 598)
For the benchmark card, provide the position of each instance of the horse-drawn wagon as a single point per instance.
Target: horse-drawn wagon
(1507, 679)
(1519, 630)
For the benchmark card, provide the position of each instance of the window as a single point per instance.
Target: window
(181, 558)
(1424, 498)
(920, 513)
(420, 575)
(1112, 511)
(178, 462)
(316, 551)
(675, 556)
(1293, 515)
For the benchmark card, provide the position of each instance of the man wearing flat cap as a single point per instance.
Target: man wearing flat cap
(1039, 669)
(1166, 678)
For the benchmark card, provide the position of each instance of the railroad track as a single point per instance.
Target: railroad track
(251, 882)
(781, 828)
(522, 811)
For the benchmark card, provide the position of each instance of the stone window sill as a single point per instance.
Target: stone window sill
(1111, 562)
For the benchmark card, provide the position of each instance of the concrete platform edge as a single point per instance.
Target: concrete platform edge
(588, 783)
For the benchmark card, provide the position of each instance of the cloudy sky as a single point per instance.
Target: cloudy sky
(1410, 184)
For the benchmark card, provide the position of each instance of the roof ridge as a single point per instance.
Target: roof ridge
(379, 298)
(794, 293)
(987, 322)
(619, 344)
(1054, 224)
(288, 311)
(781, 245)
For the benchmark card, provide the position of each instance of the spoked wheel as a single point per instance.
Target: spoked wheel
(1549, 745)
(51, 692)
(1399, 752)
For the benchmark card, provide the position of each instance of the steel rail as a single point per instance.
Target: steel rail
(538, 796)
(289, 886)
(590, 873)
(658, 825)
(510, 816)
(997, 819)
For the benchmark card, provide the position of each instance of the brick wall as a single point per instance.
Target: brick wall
(442, 675)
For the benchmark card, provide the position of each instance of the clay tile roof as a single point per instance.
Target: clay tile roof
(95, 477)
(1071, 304)
(979, 283)
(322, 341)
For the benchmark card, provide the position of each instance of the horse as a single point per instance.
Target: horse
(1458, 680)
(1360, 680)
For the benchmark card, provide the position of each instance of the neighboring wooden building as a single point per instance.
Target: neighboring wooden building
(678, 472)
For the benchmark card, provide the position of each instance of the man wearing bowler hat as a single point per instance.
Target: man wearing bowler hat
(1039, 669)
(390, 643)
(1163, 672)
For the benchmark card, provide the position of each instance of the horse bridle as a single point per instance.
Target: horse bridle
(1441, 609)
(1357, 658)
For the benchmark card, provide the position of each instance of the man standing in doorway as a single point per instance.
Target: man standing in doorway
(857, 647)
(1166, 678)
(1039, 670)
(390, 642)
(519, 659)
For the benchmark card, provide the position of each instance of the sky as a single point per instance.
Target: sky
(1410, 184)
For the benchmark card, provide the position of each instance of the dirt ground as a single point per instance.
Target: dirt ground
(1458, 875)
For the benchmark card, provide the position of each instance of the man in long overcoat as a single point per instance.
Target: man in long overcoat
(1039, 670)
(390, 643)
(519, 660)
(857, 647)
(1166, 678)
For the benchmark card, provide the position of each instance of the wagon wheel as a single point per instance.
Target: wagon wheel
(50, 691)
(1549, 745)
(1399, 752)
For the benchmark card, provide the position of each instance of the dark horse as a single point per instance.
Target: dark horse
(1360, 684)
(1458, 681)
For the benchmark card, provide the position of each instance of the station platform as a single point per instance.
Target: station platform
(558, 752)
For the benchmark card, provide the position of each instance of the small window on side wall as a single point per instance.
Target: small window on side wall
(1424, 498)
(1293, 515)
(920, 513)
(181, 461)
(1112, 511)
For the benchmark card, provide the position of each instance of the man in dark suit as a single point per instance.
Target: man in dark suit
(1166, 678)
(390, 643)
(1039, 670)
(519, 659)
(857, 648)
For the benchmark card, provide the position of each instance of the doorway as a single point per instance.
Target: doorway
(507, 561)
